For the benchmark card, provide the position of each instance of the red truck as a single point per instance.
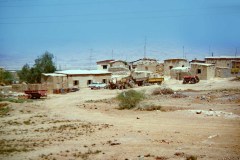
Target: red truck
(190, 79)
(36, 94)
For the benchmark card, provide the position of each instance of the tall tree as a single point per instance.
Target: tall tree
(24, 73)
(5, 77)
(43, 64)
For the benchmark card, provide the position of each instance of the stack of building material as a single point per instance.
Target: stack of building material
(56, 83)
(19, 87)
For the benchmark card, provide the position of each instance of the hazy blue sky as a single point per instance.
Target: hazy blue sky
(80, 32)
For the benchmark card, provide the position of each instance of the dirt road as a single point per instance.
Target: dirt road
(87, 125)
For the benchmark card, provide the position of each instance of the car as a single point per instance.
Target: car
(97, 85)
(74, 89)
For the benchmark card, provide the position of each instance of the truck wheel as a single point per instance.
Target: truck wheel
(193, 81)
(38, 96)
(184, 81)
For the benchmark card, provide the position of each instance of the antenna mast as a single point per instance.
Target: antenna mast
(145, 46)
(209, 49)
(183, 53)
(90, 59)
(112, 53)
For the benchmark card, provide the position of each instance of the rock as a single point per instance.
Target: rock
(213, 136)
(203, 97)
(198, 112)
(147, 155)
(181, 154)
(113, 144)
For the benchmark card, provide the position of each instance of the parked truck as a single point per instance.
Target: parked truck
(190, 79)
(36, 91)
(36, 94)
(158, 80)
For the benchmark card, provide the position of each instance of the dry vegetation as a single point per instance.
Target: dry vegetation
(166, 124)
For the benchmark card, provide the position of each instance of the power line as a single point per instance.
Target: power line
(110, 13)
(116, 19)
(65, 4)
(145, 45)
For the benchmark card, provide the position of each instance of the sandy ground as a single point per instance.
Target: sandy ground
(202, 120)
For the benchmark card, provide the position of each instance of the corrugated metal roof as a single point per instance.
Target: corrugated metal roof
(54, 74)
(105, 61)
(174, 59)
(223, 57)
(74, 72)
(143, 72)
(203, 64)
(181, 68)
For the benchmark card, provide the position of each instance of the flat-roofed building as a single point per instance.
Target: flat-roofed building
(82, 78)
(104, 65)
(231, 62)
(203, 71)
(173, 63)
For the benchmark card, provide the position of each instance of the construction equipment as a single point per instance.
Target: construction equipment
(190, 79)
(149, 81)
(155, 80)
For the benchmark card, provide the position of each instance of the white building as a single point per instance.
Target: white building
(104, 65)
(82, 78)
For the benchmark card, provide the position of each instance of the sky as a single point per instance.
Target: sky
(80, 32)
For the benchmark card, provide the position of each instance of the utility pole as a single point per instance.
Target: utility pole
(236, 52)
(56, 60)
(209, 49)
(145, 46)
(112, 53)
(90, 59)
(183, 53)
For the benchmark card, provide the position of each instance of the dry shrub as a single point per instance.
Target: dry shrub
(150, 107)
(191, 157)
(191, 90)
(129, 99)
(162, 91)
(3, 104)
(179, 95)
(161, 158)
(4, 109)
(235, 79)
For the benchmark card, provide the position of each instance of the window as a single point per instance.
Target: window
(146, 68)
(75, 83)
(104, 81)
(89, 82)
(182, 65)
(170, 67)
(199, 71)
(104, 66)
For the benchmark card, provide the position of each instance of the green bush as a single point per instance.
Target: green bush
(129, 99)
